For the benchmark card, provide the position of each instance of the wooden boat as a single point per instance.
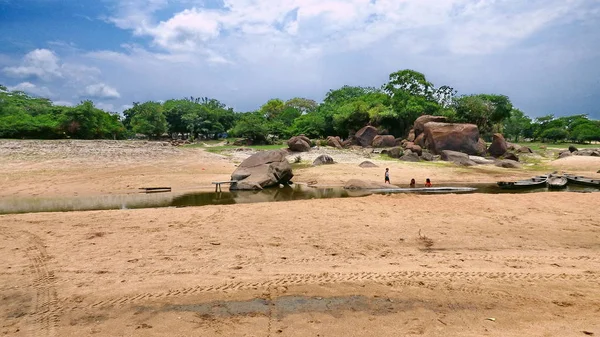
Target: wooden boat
(537, 181)
(579, 180)
(556, 181)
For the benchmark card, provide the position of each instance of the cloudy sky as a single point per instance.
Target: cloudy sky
(543, 54)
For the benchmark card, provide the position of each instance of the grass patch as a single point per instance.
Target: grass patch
(301, 165)
(538, 146)
(218, 149)
(385, 157)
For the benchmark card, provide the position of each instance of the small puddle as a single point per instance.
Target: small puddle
(288, 193)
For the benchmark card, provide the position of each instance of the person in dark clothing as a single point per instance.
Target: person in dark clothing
(413, 183)
(387, 175)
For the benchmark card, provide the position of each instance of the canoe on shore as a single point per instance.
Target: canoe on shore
(579, 180)
(537, 181)
(440, 189)
(556, 182)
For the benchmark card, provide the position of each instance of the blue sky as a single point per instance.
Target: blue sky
(544, 55)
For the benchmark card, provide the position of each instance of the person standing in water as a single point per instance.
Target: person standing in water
(413, 183)
(387, 175)
(427, 182)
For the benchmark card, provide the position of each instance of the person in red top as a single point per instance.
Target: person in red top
(427, 182)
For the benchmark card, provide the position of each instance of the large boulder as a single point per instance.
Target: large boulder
(420, 140)
(419, 126)
(384, 141)
(364, 137)
(357, 184)
(410, 156)
(511, 156)
(414, 148)
(481, 160)
(395, 152)
(457, 158)
(451, 136)
(427, 156)
(323, 160)
(572, 149)
(348, 143)
(499, 146)
(334, 142)
(299, 144)
(367, 164)
(262, 169)
(564, 154)
(518, 148)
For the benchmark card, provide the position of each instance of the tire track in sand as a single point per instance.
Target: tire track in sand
(44, 315)
(497, 258)
(429, 279)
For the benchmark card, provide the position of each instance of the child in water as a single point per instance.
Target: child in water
(413, 183)
(387, 175)
(427, 182)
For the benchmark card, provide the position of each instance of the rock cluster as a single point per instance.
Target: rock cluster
(576, 152)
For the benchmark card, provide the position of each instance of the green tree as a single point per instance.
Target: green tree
(252, 126)
(517, 125)
(411, 95)
(555, 134)
(303, 105)
(272, 108)
(149, 119)
(351, 117)
(483, 110)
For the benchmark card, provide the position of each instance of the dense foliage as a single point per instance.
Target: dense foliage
(392, 109)
(23, 116)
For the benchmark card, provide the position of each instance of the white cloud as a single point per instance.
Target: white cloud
(105, 106)
(100, 90)
(460, 26)
(248, 51)
(32, 89)
(62, 103)
(40, 63)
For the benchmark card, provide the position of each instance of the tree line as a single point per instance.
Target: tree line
(392, 108)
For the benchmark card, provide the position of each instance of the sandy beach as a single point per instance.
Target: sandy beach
(381, 265)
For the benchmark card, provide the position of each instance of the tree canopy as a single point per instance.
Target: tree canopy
(392, 109)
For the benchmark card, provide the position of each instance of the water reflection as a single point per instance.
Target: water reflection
(288, 193)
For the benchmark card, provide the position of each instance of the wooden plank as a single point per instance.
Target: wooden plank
(154, 188)
(225, 182)
(156, 191)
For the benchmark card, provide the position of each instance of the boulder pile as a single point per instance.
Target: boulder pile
(582, 152)
(432, 138)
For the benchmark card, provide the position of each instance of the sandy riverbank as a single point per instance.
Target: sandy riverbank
(401, 265)
(79, 168)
